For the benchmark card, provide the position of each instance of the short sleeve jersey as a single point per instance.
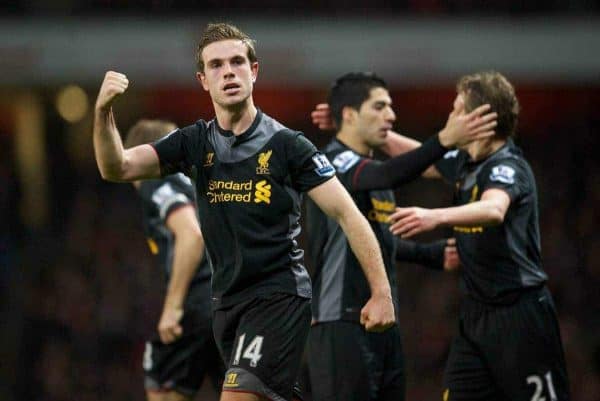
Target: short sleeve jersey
(340, 288)
(249, 195)
(498, 260)
(160, 198)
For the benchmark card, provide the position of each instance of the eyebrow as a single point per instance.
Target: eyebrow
(235, 56)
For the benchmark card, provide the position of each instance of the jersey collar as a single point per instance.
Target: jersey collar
(244, 136)
(508, 147)
(342, 144)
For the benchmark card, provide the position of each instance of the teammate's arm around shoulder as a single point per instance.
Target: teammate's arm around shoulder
(189, 249)
(334, 200)
(114, 162)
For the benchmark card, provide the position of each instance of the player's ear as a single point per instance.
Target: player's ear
(254, 69)
(349, 115)
(201, 78)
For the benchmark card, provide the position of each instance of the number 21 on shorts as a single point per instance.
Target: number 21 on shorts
(539, 387)
(251, 352)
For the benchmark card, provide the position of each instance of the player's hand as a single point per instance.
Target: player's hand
(462, 128)
(378, 314)
(321, 117)
(169, 328)
(410, 221)
(451, 259)
(114, 85)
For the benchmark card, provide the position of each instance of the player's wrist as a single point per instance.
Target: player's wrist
(173, 305)
(446, 139)
(102, 110)
(383, 292)
(440, 217)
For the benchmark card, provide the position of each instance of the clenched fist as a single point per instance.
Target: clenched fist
(169, 326)
(114, 85)
(378, 314)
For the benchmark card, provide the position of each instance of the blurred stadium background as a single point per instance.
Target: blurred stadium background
(79, 291)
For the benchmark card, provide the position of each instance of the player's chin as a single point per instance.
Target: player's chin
(379, 140)
(233, 100)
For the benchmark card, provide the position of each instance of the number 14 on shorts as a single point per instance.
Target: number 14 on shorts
(539, 387)
(251, 352)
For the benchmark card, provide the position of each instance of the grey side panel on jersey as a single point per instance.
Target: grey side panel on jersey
(530, 274)
(300, 273)
(333, 274)
(224, 145)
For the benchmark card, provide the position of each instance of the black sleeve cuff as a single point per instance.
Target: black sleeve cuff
(430, 255)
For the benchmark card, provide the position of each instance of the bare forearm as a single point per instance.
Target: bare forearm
(397, 144)
(108, 146)
(337, 203)
(187, 256)
(483, 212)
(366, 248)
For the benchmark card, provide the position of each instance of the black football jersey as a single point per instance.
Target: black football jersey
(249, 190)
(159, 199)
(340, 288)
(497, 260)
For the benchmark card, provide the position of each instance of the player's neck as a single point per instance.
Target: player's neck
(354, 142)
(237, 118)
(481, 149)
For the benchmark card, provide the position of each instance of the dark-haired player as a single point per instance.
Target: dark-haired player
(250, 172)
(176, 361)
(508, 346)
(345, 362)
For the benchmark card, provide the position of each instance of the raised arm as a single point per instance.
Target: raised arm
(397, 170)
(189, 249)
(397, 144)
(460, 128)
(114, 162)
(334, 200)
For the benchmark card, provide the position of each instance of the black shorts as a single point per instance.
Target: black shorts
(508, 352)
(181, 365)
(261, 341)
(347, 363)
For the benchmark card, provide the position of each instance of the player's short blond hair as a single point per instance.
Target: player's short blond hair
(491, 87)
(222, 31)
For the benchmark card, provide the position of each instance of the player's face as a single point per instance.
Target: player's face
(376, 117)
(228, 74)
